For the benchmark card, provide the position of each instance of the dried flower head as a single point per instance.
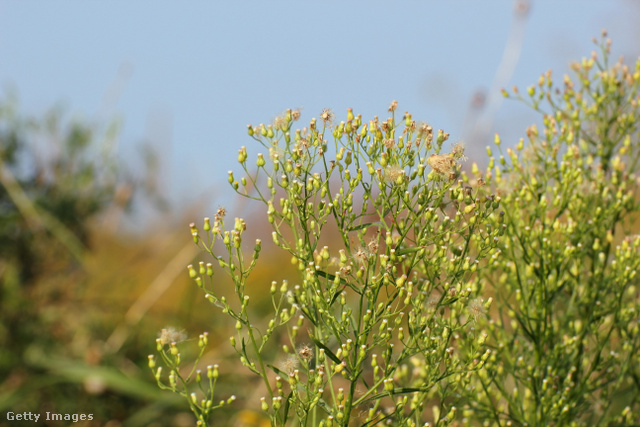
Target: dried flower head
(305, 352)
(372, 245)
(389, 142)
(327, 116)
(345, 271)
(392, 173)
(424, 131)
(304, 143)
(276, 153)
(412, 124)
(443, 164)
(290, 364)
(362, 255)
(220, 213)
(476, 308)
(393, 105)
(432, 302)
(170, 334)
(295, 114)
(280, 122)
(458, 152)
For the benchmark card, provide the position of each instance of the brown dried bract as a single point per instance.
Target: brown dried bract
(444, 164)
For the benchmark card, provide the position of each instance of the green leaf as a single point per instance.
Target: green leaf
(244, 349)
(364, 225)
(403, 251)
(326, 350)
(328, 276)
(307, 314)
(278, 371)
(287, 406)
(334, 298)
(322, 404)
(63, 369)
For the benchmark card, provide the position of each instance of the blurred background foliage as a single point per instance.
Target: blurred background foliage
(82, 296)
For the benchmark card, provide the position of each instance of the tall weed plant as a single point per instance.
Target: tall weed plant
(394, 324)
(565, 333)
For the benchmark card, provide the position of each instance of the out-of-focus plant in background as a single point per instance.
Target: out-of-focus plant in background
(74, 289)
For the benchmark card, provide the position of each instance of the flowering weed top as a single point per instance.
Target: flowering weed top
(363, 310)
(393, 323)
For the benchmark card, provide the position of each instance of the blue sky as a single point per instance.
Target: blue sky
(188, 76)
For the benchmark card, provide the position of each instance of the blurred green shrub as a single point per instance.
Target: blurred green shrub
(50, 189)
(57, 176)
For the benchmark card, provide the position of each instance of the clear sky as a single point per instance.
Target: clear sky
(188, 76)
